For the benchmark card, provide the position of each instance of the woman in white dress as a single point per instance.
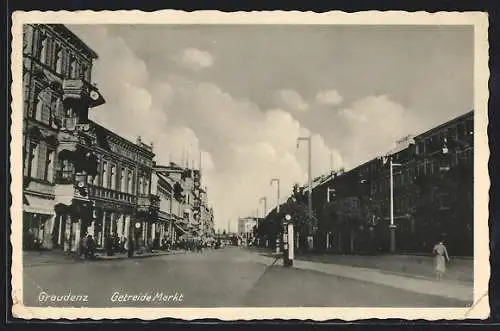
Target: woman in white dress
(441, 257)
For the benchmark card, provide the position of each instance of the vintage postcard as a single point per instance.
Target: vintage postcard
(240, 166)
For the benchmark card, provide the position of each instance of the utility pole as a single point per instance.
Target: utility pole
(309, 176)
(277, 181)
(264, 199)
(392, 226)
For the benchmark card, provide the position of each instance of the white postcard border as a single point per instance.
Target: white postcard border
(480, 309)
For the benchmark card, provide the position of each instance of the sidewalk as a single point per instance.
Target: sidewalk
(410, 273)
(35, 258)
(122, 256)
(462, 292)
(459, 270)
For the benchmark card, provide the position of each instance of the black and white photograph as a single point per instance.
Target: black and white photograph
(303, 166)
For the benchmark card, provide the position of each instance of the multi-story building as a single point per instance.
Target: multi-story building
(246, 226)
(79, 177)
(187, 204)
(432, 196)
(120, 191)
(57, 96)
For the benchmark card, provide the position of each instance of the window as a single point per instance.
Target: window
(97, 177)
(129, 185)
(59, 59)
(83, 72)
(146, 186)
(49, 166)
(105, 174)
(113, 177)
(140, 185)
(73, 67)
(123, 181)
(39, 107)
(43, 49)
(33, 154)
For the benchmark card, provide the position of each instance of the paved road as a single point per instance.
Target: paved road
(231, 277)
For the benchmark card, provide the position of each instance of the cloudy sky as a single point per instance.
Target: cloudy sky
(243, 94)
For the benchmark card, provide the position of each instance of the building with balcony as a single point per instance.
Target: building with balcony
(57, 95)
(183, 205)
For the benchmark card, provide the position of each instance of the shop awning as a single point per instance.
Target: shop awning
(180, 228)
(36, 205)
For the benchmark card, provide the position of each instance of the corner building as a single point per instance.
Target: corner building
(57, 95)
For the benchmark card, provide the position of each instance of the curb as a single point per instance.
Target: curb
(135, 256)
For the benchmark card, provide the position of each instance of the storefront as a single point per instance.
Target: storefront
(38, 220)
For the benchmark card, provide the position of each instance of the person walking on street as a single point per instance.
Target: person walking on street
(441, 257)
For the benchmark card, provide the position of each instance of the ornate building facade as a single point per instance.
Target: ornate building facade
(79, 177)
(57, 95)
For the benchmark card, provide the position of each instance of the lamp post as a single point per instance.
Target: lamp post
(264, 199)
(277, 181)
(392, 226)
(309, 175)
(288, 242)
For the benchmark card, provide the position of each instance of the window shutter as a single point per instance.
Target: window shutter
(42, 159)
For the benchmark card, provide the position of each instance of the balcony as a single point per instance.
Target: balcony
(77, 89)
(108, 194)
(148, 202)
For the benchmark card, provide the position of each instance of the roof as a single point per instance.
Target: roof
(64, 30)
(116, 135)
(445, 124)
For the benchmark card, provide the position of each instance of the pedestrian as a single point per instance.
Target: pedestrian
(89, 247)
(441, 257)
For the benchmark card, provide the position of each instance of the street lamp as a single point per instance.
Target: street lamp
(264, 199)
(309, 172)
(392, 226)
(277, 181)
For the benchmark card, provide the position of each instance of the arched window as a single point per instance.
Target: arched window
(59, 58)
(43, 49)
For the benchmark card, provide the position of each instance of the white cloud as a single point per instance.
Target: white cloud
(291, 100)
(195, 59)
(329, 97)
(243, 146)
(372, 125)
